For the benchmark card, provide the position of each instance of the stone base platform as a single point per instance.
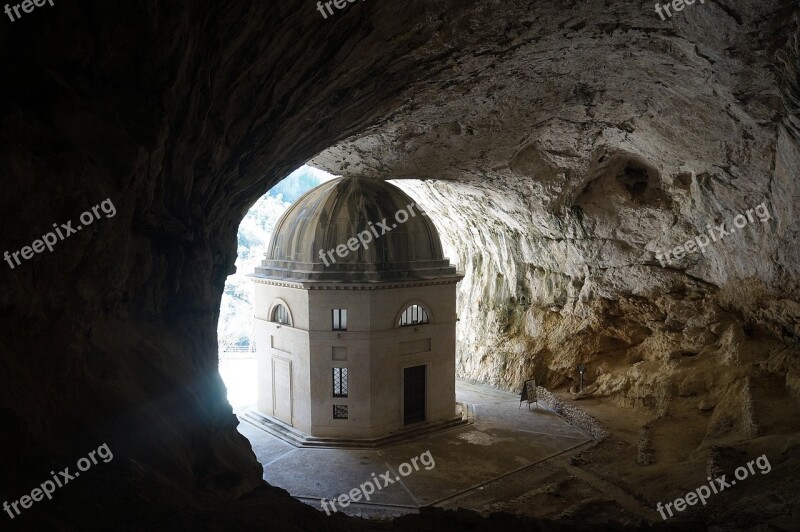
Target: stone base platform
(297, 438)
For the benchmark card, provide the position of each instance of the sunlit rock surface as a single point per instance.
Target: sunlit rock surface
(562, 176)
(574, 140)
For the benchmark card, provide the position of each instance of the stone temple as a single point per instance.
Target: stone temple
(355, 316)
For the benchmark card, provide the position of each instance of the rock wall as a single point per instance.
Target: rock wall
(559, 181)
(181, 114)
(184, 113)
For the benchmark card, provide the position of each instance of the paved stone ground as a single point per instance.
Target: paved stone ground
(503, 440)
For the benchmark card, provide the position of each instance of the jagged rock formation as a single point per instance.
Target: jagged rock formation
(575, 168)
(574, 140)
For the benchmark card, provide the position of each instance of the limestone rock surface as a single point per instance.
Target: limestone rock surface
(560, 175)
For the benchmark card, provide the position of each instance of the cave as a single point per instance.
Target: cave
(617, 186)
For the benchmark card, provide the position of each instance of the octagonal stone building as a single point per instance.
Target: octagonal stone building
(355, 317)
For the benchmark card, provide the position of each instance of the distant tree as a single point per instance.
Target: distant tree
(298, 183)
(236, 309)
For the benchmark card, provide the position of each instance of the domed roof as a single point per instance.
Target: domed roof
(353, 229)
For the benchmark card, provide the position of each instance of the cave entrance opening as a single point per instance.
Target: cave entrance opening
(235, 330)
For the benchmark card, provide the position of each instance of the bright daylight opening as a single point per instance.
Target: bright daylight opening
(237, 348)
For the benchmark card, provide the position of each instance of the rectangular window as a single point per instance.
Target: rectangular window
(339, 319)
(339, 411)
(340, 382)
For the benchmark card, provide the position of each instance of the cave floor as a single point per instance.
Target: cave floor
(504, 443)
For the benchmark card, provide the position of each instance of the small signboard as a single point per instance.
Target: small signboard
(528, 394)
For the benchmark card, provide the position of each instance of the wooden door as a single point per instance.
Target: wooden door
(413, 395)
(282, 389)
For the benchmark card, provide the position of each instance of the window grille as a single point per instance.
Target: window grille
(339, 319)
(340, 382)
(413, 315)
(281, 315)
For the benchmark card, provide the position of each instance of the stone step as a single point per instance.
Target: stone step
(296, 438)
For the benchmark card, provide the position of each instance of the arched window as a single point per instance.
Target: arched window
(280, 314)
(413, 315)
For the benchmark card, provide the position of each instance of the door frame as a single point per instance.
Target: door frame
(282, 360)
(403, 392)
